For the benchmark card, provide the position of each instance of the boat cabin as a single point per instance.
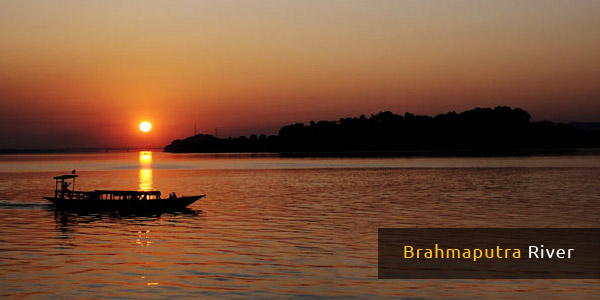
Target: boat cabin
(126, 195)
(62, 191)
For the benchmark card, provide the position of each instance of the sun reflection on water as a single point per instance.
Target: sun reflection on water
(145, 159)
(145, 170)
(143, 238)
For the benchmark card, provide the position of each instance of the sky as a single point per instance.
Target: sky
(86, 73)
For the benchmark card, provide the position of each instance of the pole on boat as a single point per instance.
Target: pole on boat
(73, 172)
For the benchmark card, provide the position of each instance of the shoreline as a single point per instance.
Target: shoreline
(348, 154)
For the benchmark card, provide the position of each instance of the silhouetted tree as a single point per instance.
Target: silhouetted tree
(480, 128)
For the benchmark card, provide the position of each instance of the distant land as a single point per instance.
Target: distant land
(586, 125)
(481, 130)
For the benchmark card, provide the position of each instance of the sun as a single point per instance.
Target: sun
(145, 126)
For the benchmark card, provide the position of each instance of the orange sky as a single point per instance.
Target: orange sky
(85, 73)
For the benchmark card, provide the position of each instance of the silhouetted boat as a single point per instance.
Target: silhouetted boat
(65, 198)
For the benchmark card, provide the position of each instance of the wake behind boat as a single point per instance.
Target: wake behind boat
(65, 198)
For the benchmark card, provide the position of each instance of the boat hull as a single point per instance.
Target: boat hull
(124, 205)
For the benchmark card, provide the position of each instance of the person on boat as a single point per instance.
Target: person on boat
(65, 189)
(174, 196)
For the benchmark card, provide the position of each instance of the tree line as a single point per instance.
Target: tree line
(499, 128)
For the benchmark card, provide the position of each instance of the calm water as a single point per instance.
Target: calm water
(271, 227)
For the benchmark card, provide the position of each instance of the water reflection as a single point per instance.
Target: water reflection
(143, 238)
(145, 158)
(145, 179)
(145, 171)
(283, 232)
(67, 220)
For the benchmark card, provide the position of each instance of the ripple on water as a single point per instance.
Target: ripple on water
(266, 233)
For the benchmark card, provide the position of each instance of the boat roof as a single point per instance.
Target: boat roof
(66, 176)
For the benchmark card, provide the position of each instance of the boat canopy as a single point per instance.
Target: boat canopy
(62, 191)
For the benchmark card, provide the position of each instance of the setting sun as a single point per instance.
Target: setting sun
(145, 126)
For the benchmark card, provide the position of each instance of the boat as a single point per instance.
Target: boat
(110, 200)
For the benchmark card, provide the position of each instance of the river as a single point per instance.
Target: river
(274, 227)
